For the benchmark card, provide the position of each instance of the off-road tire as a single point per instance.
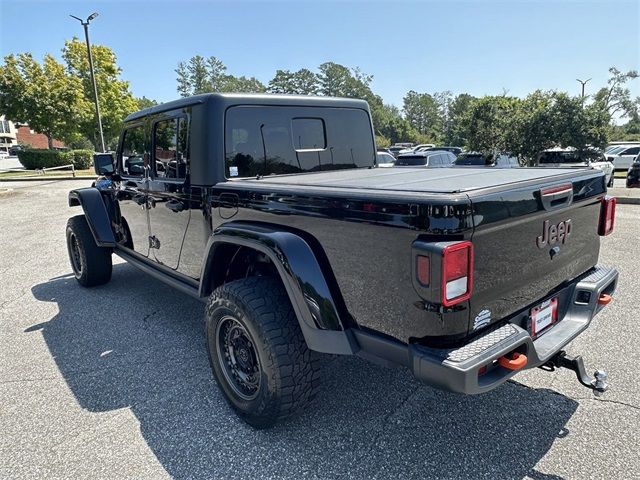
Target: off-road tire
(288, 371)
(90, 263)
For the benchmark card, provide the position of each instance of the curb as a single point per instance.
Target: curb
(45, 179)
(628, 200)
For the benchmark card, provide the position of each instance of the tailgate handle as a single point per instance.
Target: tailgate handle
(556, 196)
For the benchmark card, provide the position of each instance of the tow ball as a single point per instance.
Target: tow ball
(597, 383)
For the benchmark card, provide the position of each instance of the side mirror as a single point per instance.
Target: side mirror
(104, 164)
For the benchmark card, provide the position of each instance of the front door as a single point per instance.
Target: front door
(132, 196)
(168, 200)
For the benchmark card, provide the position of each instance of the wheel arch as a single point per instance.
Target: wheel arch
(95, 211)
(316, 307)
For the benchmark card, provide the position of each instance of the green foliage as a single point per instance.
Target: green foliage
(116, 100)
(301, 82)
(144, 102)
(615, 98)
(205, 75)
(34, 159)
(82, 159)
(43, 95)
(382, 141)
(425, 113)
(454, 131)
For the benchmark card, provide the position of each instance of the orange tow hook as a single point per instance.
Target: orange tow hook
(604, 299)
(516, 362)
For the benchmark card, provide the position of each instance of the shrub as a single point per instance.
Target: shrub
(33, 159)
(82, 159)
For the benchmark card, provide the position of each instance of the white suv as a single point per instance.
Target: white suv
(570, 157)
(622, 159)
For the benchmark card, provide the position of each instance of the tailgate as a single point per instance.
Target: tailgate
(521, 246)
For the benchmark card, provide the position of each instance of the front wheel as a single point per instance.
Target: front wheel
(90, 263)
(257, 352)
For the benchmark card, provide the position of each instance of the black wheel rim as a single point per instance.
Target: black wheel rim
(74, 254)
(238, 358)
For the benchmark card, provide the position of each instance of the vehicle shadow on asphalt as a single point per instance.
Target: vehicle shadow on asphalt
(135, 343)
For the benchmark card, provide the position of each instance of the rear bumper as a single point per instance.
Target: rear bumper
(474, 368)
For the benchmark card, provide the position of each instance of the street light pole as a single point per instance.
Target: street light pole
(583, 83)
(85, 24)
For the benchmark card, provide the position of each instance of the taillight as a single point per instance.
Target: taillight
(457, 273)
(607, 215)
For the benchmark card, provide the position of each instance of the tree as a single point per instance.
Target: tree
(454, 131)
(205, 75)
(301, 82)
(335, 80)
(615, 98)
(488, 124)
(116, 100)
(42, 95)
(144, 102)
(424, 113)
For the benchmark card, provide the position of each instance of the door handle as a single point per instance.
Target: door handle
(140, 199)
(175, 206)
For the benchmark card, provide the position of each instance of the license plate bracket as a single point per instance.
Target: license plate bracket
(543, 316)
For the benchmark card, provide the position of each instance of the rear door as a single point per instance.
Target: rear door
(169, 188)
(530, 239)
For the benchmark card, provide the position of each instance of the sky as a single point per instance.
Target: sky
(477, 47)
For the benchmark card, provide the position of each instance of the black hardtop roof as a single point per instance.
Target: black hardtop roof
(225, 100)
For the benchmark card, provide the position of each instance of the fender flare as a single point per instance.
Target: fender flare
(301, 276)
(96, 214)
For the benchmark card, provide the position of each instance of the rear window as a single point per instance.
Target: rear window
(471, 160)
(411, 161)
(546, 158)
(278, 140)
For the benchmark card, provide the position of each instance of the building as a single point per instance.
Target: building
(8, 135)
(27, 136)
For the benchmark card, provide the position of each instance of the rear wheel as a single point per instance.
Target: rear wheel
(90, 263)
(257, 351)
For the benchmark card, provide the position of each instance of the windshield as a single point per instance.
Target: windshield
(385, 158)
(411, 161)
(614, 150)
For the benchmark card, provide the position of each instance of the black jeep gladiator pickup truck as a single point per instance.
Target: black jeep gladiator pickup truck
(271, 209)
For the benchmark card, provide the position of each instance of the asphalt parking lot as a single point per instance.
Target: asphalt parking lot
(115, 382)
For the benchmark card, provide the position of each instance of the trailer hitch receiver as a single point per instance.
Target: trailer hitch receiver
(598, 383)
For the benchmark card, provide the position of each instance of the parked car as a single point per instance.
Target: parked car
(395, 150)
(436, 158)
(293, 247)
(476, 159)
(415, 148)
(633, 174)
(571, 157)
(13, 151)
(385, 159)
(454, 150)
(623, 158)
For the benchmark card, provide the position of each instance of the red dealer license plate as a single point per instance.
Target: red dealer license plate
(543, 316)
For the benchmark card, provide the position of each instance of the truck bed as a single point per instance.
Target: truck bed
(421, 180)
(364, 215)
